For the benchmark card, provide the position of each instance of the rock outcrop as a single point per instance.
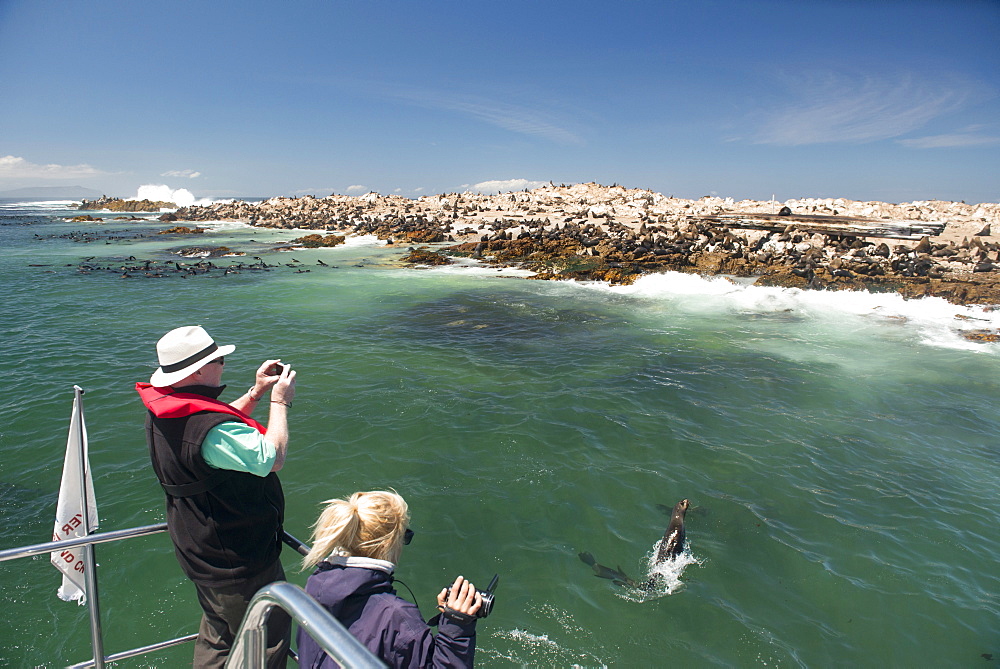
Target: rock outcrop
(423, 256)
(319, 241)
(117, 204)
(587, 231)
(182, 230)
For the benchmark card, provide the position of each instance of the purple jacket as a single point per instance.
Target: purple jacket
(364, 601)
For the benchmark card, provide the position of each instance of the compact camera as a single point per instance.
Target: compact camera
(487, 595)
(277, 369)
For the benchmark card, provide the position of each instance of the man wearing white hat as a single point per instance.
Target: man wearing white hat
(216, 464)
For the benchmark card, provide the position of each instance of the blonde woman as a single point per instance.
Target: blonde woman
(356, 544)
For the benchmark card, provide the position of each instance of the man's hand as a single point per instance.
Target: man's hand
(284, 386)
(266, 377)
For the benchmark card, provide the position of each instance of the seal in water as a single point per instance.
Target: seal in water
(616, 575)
(671, 545)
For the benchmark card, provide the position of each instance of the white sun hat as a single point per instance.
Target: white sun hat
(184, 351)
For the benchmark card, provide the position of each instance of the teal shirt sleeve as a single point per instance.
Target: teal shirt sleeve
(239, 447)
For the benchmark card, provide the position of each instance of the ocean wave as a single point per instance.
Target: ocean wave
(938, 322)
(354, 241)
(182, 197)
(465, 267)
(46, 206)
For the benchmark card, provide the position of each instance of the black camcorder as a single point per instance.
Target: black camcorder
(487, 606)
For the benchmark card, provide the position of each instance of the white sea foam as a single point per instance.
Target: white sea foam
(351, 241)
(225, 225)
(525, 648)
(466, 266)
(662, 579)
(182, 197)
(938, 322)
(45, 204)
(49, 203)
(537, 640)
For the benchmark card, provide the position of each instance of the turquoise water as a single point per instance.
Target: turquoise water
(839, 450)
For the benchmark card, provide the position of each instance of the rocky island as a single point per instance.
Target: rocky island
(116, 204)
(616, 234)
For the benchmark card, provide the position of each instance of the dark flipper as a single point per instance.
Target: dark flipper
(617, 575)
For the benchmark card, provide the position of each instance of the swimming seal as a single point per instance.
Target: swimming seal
(618, 576)
(672, 543)
(670, 546)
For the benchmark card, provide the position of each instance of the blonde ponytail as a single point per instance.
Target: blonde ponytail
(367, 524)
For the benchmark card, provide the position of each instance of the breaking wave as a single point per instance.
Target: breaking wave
(936, 322)
(182, 197)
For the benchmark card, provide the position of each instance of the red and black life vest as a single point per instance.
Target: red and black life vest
(169, 403)
(225, 525)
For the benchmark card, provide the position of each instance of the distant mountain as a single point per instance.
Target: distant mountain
(53, 192)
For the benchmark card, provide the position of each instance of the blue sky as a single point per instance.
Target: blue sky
(884, 100)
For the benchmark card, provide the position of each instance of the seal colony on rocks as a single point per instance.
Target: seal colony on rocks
(616, 234)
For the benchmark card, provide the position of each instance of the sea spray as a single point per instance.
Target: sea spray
(362, 240)
(182, 197)
(576, 647)
(936, 322)
(526, 649)
(661, 578)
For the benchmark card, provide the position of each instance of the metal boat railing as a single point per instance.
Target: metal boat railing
(248, 651)
(251, 641)
(99, 659)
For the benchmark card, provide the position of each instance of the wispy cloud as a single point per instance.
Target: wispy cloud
(524, 120)
(13, 167)
(838, 108)
(951, 141)
(357, 189)
(506, 186)
(188, 174)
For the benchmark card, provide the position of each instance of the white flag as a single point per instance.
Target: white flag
(69, 510)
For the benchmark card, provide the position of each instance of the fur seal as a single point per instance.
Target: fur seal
(618, 576)
(672, 543)
(670, 546)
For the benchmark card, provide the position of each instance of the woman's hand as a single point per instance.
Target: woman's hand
(463, 597)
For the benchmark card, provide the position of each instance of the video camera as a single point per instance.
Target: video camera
(484, 610)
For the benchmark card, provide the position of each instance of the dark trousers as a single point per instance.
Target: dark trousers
(224, 607)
